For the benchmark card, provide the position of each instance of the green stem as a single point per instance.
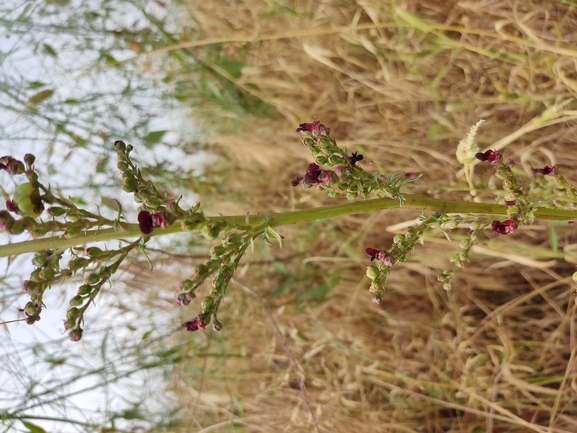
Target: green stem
(281, 219)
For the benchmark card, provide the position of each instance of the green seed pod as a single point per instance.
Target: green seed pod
(72, 232)
(129, 184)
(77, 301)
(207, 303)
(16, 229)
(94, 252)
(122, 166)
(84, 290)
(47, 274)
(39, 232)
(186, 285)
(27, 198)
(73, 313)
(153, 202)
(372, 272)
(321, 160)
(39, 260)
(78, 263)
(56, 211)
(92, 279)
(69, 324)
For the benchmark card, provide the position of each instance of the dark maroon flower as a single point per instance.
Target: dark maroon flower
(11, 165)
(491, 156)
(315, 175)
(298, 179)
(510, 163)
(315, 128)
(379, 255)
(512, 202)
(11, 206)
(195, 324)
(354, 158)
(503, 228)
(185, 298)
(411, 175)
(150, 221)
(548, 170)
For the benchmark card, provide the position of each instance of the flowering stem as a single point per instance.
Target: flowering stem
(412, 202)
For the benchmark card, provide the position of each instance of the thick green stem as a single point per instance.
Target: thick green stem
(412, 202)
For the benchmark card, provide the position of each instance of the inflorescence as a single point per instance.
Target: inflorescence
(333, 170)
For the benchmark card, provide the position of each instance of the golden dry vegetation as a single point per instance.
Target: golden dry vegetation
(401, 82)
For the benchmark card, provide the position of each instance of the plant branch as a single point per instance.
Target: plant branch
(295, 217)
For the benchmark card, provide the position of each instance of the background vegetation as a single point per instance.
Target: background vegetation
(303, 348)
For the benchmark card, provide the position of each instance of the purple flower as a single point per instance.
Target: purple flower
(548, 170)
(491, 156)
(298, 179)
(503, 228)
(150, 221)
(354, 158)
(316, 175)
(315, 128)
(510, 163)
(512, 202)
(411, 175)
(11, 206)
(195, 324)
(379, 255)
(185, 298)
(11, 165)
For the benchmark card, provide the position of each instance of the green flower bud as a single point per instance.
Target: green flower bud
(72, 232)
(321, 160)
(76, 301)
(372, 272)
(56, 211)
(47, 274)
(309, 142)
(39, 260)
(16, 229)
(92, 279)
(27, 198)
(129, 184)
(122, 166)
(73, 313)
(31, 309)
(29, 159)
(153, 202)
(85, 289)
(69, 324)
(78, 263)
(120, 146)
(94, 252)
(351, 195)
(186, 285)
(207, 303)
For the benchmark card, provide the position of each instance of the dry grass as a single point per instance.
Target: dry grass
(496, 354)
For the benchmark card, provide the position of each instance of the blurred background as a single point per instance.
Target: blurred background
(210, 94)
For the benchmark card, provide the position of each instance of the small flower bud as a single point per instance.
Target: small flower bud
(29, 159)
(73, 313)
(120, 146)
(27, 200)
(84, 290)
(217, 325)
(56, 211)
(92, 279)
(372, 272)
(207, 303)
(39, 260)
(31, 309)
(69, 324)
(47, 274)
(129, 184)
(94, 252)
(122, 166)
(75, 334)
(77, 301)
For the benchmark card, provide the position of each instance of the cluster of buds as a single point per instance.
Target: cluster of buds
(343, 177)
(223, 262)
(403, 244)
